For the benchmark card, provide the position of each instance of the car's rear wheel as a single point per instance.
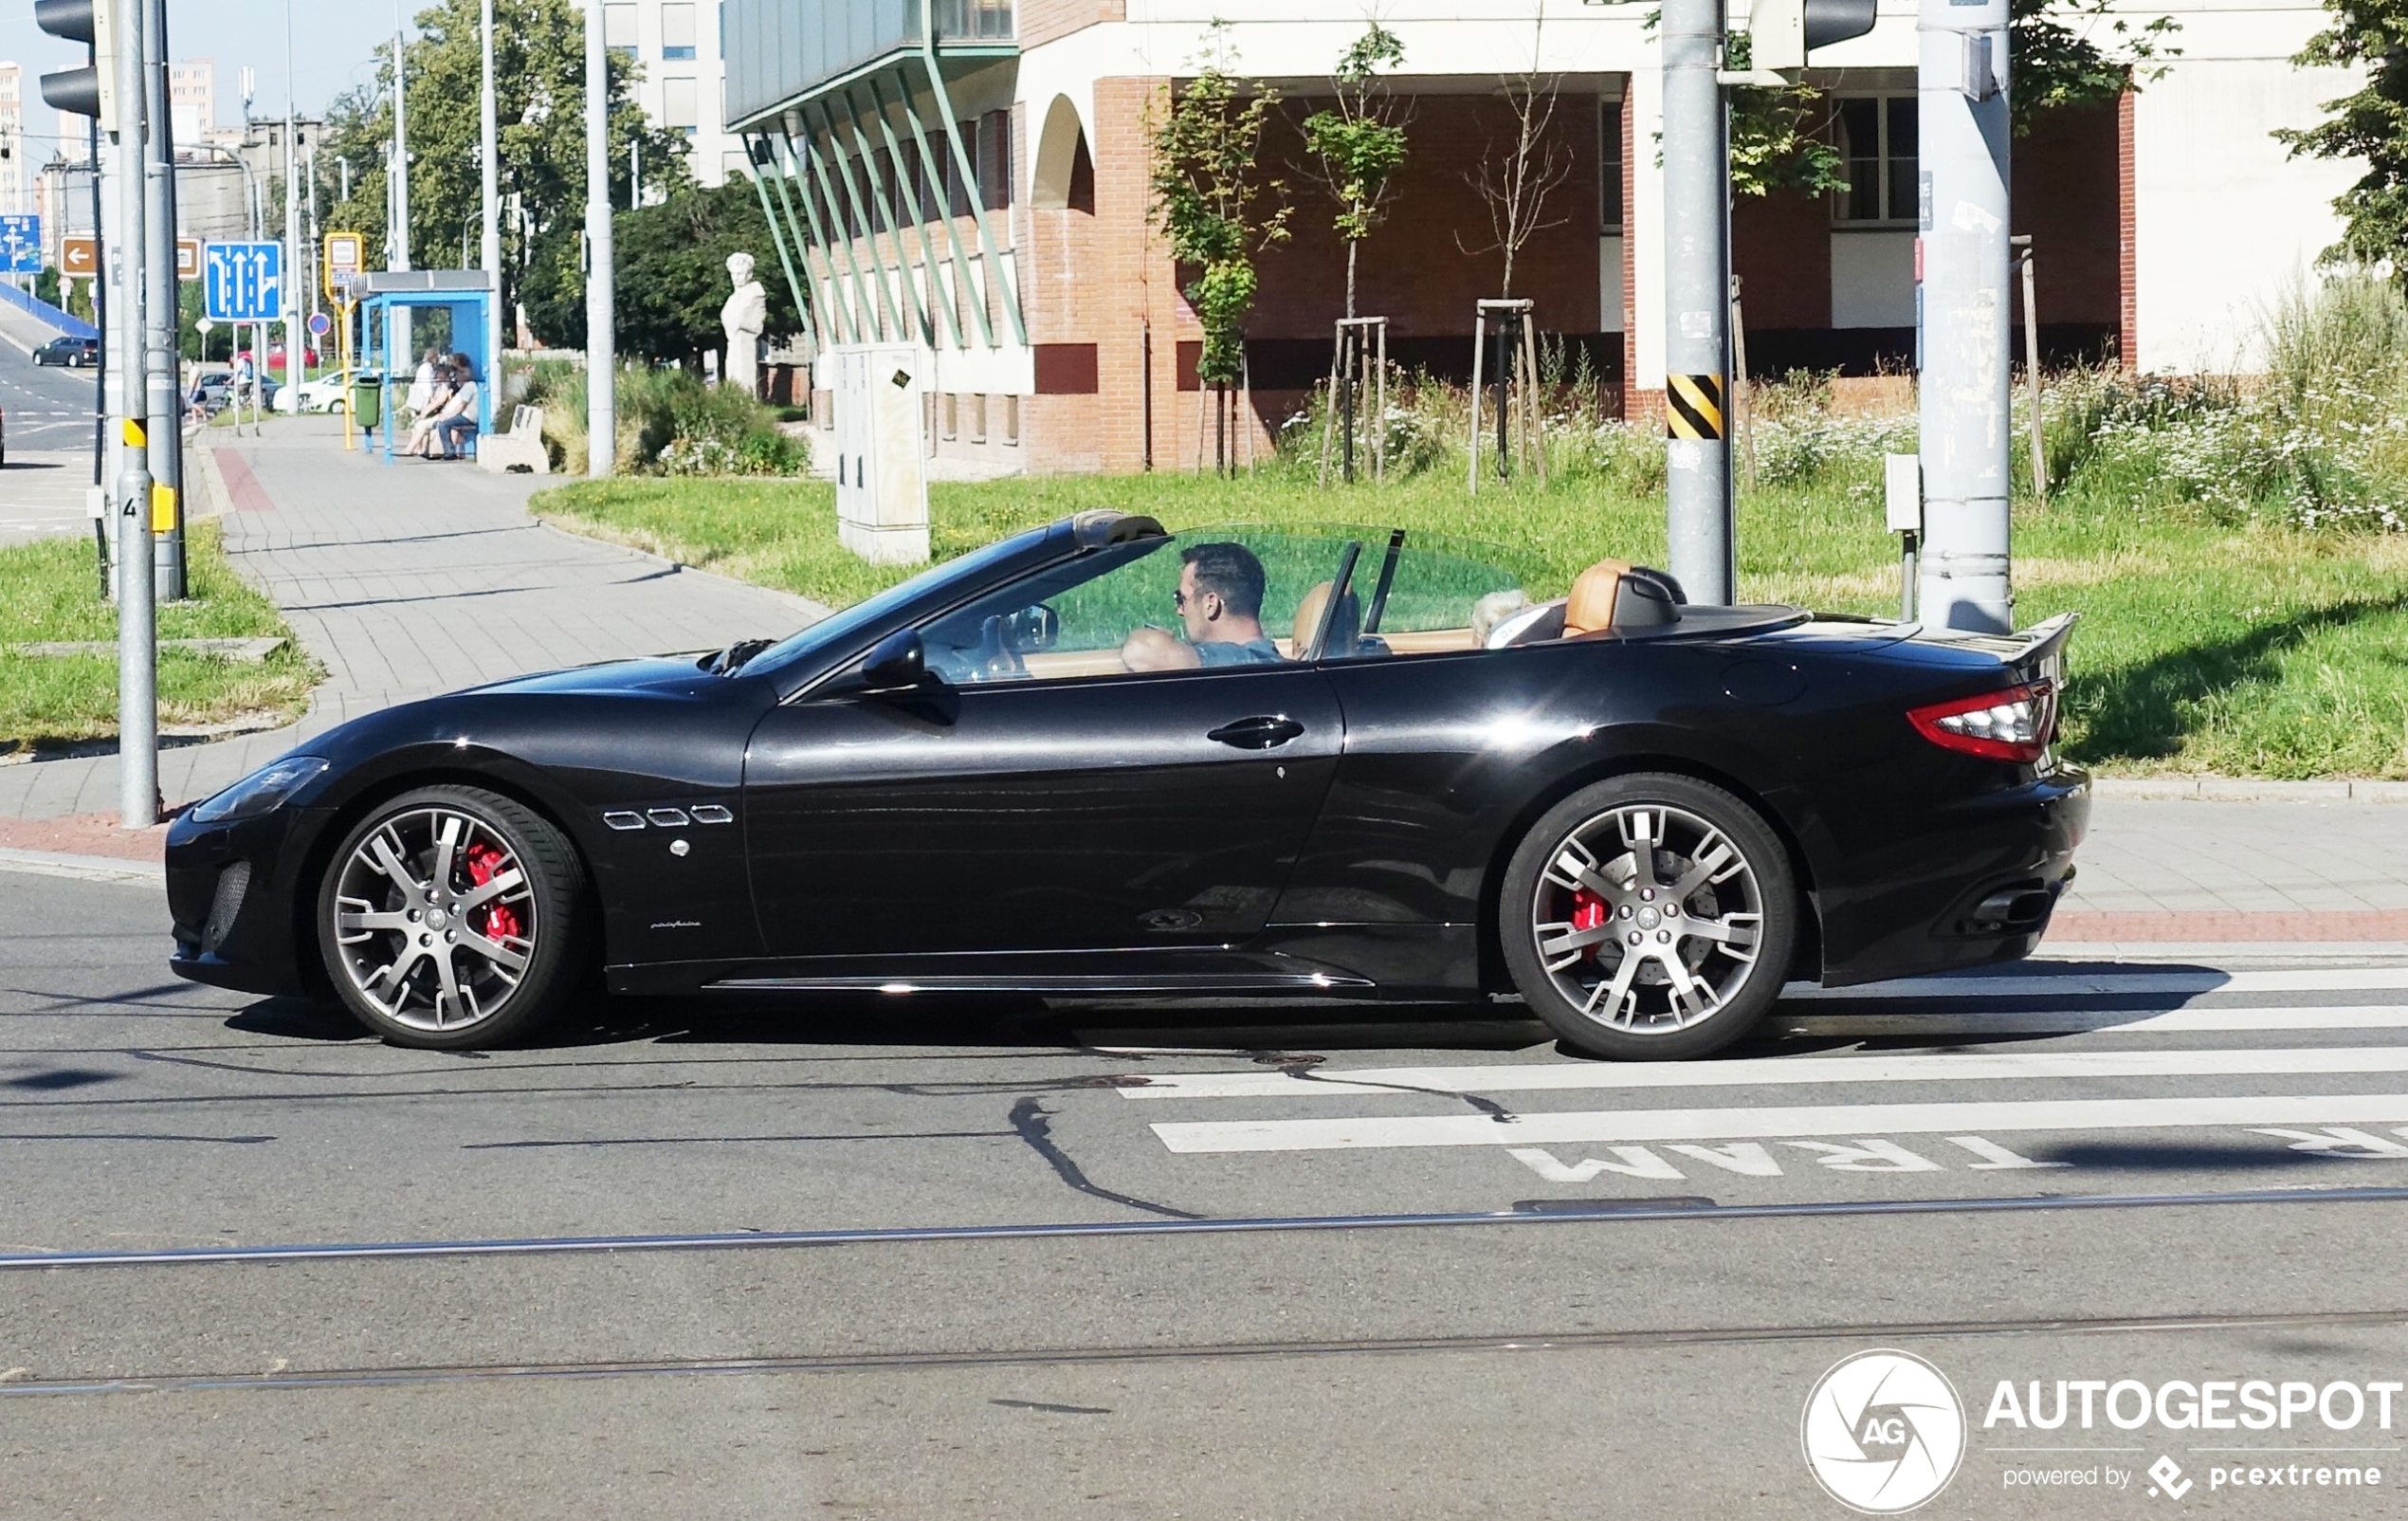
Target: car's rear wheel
(452, 918)
(1648, 917)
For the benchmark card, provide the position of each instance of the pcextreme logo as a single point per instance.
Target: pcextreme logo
(1884, 1432)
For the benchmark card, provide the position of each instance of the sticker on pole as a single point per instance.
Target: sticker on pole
(242, 282)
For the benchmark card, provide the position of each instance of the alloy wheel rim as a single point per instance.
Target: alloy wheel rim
(435, 919)
(1648, 918)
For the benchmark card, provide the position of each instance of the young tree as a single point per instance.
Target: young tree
(2369, 124)
(1514, 181)
(539, 91)
(1206, 182)
(1360, 142)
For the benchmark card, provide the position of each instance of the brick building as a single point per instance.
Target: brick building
(973, 178)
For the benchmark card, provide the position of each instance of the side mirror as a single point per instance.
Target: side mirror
(898, 662)
(1032, 630)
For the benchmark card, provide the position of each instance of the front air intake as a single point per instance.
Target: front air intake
(224, 904)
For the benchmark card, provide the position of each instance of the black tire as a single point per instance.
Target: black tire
(448, 983)
(1568, 897)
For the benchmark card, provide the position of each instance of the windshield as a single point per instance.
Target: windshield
(843, 624)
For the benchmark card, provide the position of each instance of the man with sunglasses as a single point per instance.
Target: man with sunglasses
(1219, 602)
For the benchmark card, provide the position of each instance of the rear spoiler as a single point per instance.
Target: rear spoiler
(2046, 641)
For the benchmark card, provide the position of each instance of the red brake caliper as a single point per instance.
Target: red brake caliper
(1588, 912)
(501, 920)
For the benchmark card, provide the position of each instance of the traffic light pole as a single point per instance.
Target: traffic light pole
(1962, 312)
(601, 358)
(1697, 304)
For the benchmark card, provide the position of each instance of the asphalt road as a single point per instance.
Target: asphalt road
(1111, 1261)
(48, 406)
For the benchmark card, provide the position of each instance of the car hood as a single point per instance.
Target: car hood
(666, 675)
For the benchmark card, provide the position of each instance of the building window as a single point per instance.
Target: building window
(994, 160)
(978, 418)
(678, 106)
(618, 27)
(1011, 419)
(1877, 141)
(677, 31)
(950, 415)
(1610, 162)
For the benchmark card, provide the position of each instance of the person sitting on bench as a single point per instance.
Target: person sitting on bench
(458, 422)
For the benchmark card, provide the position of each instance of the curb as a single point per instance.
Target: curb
(2246, 790)
(83, 868)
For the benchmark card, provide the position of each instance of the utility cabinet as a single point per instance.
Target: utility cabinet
(882, 484)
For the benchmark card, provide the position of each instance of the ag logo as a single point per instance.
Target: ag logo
(1884, 1432)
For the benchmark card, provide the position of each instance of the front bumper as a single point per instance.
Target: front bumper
(1928, 914)
(237, 893)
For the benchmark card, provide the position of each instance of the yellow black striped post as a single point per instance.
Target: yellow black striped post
(1693, 406)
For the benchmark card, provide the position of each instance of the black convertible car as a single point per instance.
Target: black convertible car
(1101, 759)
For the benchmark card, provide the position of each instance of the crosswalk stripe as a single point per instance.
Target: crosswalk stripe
(1852, 1120)
(1768, 1071)
(2187, 980)
(2083, 1022)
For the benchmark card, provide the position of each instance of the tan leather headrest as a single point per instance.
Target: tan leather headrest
(1308, 613)
(1590, 608)
(1308, 616)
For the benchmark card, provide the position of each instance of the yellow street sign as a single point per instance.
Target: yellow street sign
(162, 509)
(135, 437)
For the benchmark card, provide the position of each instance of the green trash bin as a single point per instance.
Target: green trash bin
(367, 403)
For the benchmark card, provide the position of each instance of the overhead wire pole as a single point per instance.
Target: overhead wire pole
(601, 357)
(1966, 322)
(489, 135)
(1696, 301)
(162, 382)
(288, 294)
(137, 715)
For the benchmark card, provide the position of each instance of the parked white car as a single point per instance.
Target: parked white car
(325, 394)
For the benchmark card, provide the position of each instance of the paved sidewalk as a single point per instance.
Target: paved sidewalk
(410, 579)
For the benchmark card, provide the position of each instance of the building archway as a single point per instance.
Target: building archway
(1064, 175)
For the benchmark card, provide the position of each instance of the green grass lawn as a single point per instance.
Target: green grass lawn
(2245, 651)
(50, 592)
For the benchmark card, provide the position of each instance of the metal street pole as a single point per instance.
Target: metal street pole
(164, 379)
(1963, 312)
(399, 344)
(1697, 301)
(491, 249)
(137, 715)
(601, 359)
(288, 294)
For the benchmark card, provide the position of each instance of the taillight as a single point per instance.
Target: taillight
(2014, 725)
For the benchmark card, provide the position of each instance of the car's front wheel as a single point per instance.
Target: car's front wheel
(452, 918)
(1649, 916)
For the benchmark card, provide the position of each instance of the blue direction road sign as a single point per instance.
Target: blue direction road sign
(242, 282)
(21, 245)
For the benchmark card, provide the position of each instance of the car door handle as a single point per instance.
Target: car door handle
(1264, 732)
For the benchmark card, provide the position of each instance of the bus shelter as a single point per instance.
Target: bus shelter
(389, 300)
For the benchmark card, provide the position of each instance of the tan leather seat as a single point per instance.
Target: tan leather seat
(1307, 625)
(1594, 595)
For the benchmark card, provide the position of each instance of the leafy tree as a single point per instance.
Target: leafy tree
(672, 272)
(2370, 125)
(1360, 142)
(540, 95)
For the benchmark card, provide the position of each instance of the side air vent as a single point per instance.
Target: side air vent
(623, 819)
(713, 813)
(224, 904)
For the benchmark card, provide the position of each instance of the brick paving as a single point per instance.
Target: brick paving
(409, 579)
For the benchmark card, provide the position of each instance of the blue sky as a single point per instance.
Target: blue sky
(332, 44)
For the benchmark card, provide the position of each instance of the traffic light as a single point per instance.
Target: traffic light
(90, 91)
(1781, 32)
